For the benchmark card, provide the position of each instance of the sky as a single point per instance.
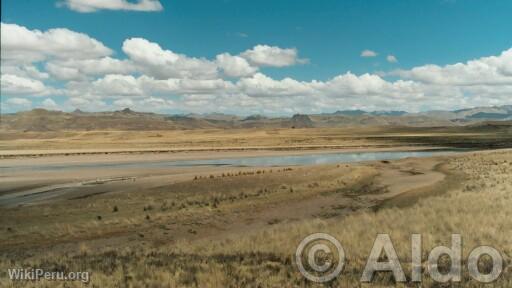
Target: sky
(273, 57)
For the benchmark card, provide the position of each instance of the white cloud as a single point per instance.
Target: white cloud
(27, 71)
(493, 70)
(19, 102)
(110, 86)
(185, 86)
(153, 103)
(72, 69)
(49, 104)
(261, 85)
(264, 55)
(154, 78)
(21, 45)
(235, 66)
(64, 73)
(15, 104)
(149, 104)
(117, 85)
(124, 102)
(87, 104)
(16, 85)
(154, 61)
(368, 53)
(348, 85)
(391, 59)
(85, 6)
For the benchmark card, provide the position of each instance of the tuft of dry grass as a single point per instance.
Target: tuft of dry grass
(480, 212)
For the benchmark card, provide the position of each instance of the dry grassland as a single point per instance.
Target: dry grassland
(169, 236)
(15, 142)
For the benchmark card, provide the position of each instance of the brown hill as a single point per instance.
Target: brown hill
(126, 119)
(44, 120)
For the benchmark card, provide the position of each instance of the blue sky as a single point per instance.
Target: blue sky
(331, 35)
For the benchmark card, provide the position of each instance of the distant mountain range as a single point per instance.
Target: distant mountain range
(127, 119)
(362, 112)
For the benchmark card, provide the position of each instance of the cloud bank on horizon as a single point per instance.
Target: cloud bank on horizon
(66, 64)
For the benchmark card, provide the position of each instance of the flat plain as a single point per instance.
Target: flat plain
(233, 226)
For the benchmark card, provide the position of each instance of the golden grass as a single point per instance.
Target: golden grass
(201, 200)
(12, 140)
(281, 138)
(479, 211)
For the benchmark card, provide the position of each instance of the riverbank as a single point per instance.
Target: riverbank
(27, 182)
(195, 216)
(250, 220)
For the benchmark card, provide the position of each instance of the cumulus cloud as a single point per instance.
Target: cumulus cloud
(368, 53)
(80, 69)
(117, 85)
(154, 61)
(264, 55)
(493, 70)
(49, 104)
(87, 104)
(261, 85)
(17, 85)
(14, 104)
(19, 102)
(150, 104)
(186, 86)
(122, 86)
(27, 71)
(351, 85)
(152, 78)
(391, 59)
(86, 6)
(21, 45)
(124, 102)
(235, 66)
(64, 73)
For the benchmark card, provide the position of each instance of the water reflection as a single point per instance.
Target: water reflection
(265, 161)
